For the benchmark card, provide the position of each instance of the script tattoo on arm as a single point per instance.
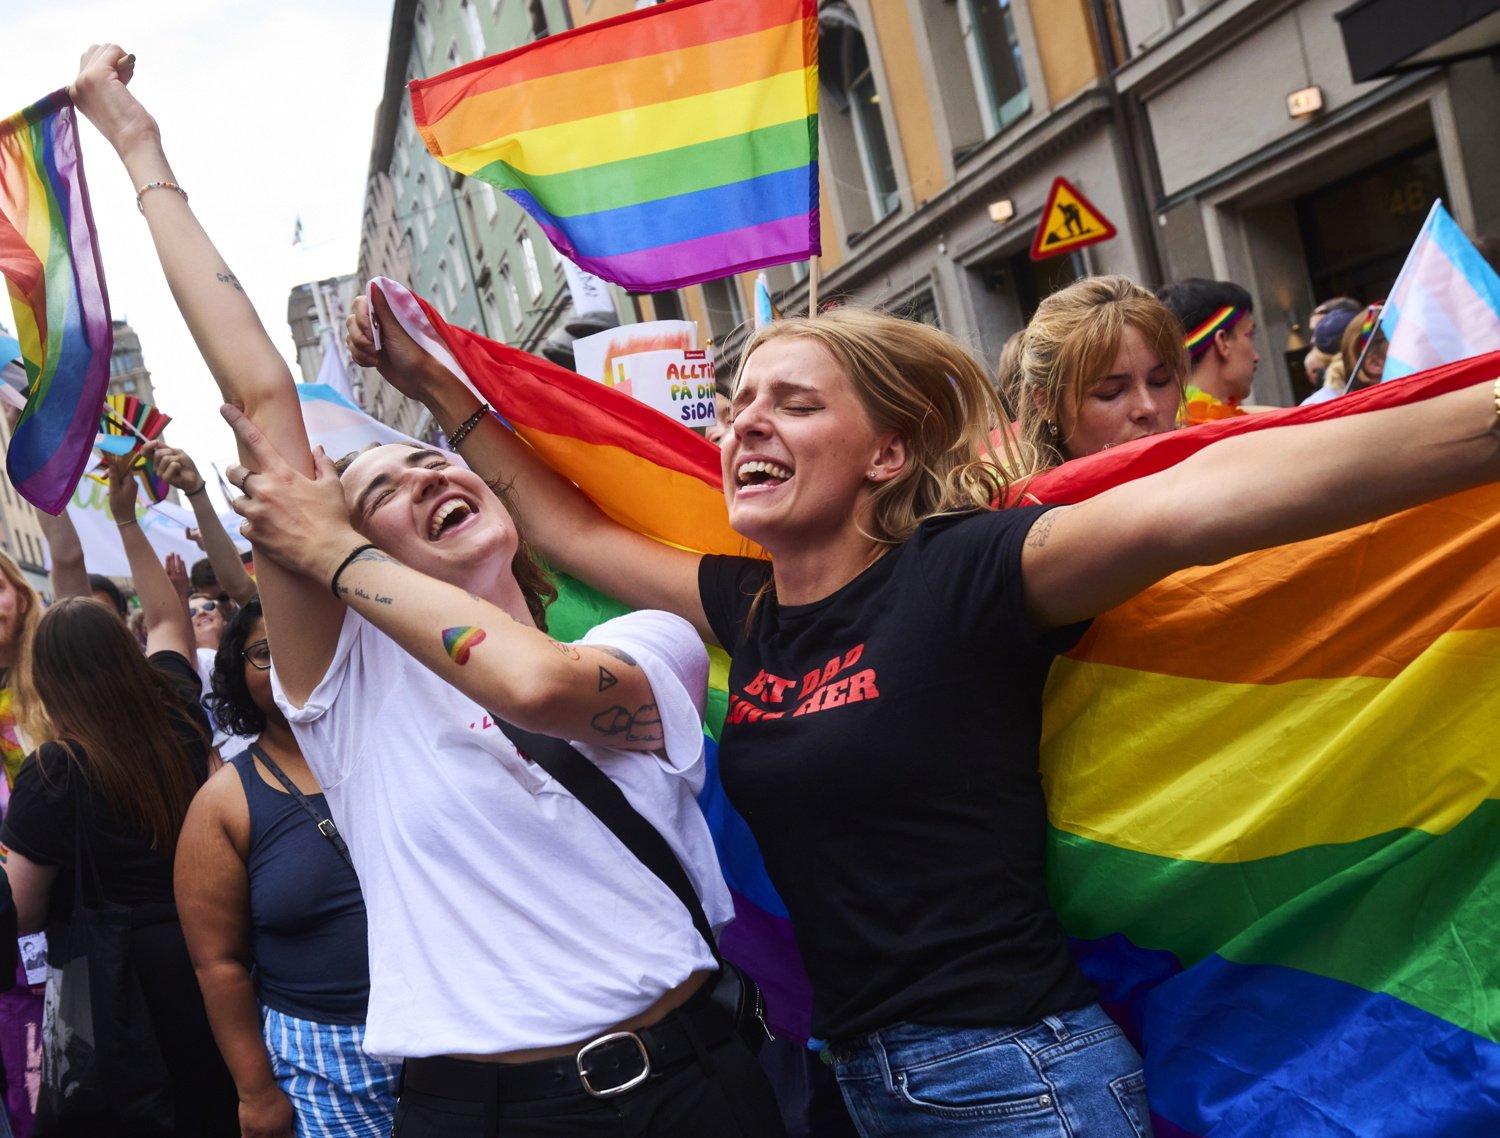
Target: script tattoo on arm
(1041, 529)
(643, 726)
(230, 278)
(378, 598)
(368, 555)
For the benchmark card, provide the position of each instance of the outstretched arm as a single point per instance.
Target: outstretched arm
(168, 628)
(178, 469)
(1081, 560)
(491, 654)
(249, 370)
(572, 533)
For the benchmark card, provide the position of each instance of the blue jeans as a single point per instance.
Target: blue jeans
(1073, 1075)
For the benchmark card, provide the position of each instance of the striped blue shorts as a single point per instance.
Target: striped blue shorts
(336, 1089)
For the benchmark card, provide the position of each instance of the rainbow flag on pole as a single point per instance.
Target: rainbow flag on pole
(1273, 790)
(667, 146)
(49, 256)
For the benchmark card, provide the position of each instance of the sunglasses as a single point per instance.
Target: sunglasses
(203, 606)
(259, 655)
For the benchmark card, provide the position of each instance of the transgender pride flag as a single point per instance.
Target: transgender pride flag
(1445, 305)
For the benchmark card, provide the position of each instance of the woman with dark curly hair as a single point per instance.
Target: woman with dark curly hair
(275, 921)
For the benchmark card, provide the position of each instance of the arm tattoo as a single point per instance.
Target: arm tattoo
(368, 555)
(566, 649)
(1041, 529)
(606, 678)
(623, 657)
(378, 598)
(459, 642)
(230, 278)
(642, 727)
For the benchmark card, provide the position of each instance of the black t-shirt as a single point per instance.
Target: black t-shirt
(41, 822)
(882, 746)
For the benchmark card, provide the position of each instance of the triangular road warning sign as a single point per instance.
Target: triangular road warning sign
(1070, 221)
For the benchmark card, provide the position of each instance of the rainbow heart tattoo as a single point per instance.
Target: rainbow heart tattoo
(460, 641)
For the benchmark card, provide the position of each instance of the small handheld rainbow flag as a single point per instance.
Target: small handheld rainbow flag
(125, 422)
(667, 146)
(155, 488)
(49, 256)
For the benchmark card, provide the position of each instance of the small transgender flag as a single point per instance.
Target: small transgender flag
(1445, 305)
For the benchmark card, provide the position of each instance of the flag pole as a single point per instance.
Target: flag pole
(812, 287)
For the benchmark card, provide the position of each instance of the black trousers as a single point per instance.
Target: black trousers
(721, 1093)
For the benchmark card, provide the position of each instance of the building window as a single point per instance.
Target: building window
(528, 263)
(487, 192)
(512, 297)
(994, 51)
(445, 283)
(726, 308)
(453, 260)
(856, 132)
(538, 14)
(454, 58)
(470, 16)
(424, 31)
(419, 218)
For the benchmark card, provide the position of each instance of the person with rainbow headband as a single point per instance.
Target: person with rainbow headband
(1218, 321)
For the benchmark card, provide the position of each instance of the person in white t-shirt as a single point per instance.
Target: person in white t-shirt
(536, 977)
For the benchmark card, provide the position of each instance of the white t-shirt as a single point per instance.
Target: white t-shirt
(502, 913)
(226, 744)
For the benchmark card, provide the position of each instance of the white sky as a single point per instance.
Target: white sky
(267, 110)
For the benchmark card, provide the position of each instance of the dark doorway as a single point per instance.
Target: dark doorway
(1357, 231)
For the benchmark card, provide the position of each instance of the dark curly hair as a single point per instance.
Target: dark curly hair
(229, 700)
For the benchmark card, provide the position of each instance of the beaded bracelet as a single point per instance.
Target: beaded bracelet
(1496, 424)
(456, 439)
(149, 186)
(339, 572)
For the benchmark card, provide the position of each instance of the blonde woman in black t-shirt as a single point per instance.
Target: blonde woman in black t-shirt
(902, 825)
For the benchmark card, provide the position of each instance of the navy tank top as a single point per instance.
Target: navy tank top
(307, 916)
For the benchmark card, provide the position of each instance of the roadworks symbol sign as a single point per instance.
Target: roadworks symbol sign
(1069, 222)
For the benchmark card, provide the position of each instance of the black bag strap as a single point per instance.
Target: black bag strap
(596, 790)
(326, 826)
(79, 784)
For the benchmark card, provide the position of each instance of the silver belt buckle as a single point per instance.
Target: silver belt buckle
(631, 1083)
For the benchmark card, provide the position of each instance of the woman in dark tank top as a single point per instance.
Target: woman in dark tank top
(275, 920)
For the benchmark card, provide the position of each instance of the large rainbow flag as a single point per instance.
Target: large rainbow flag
(667, 146)
(49, 256)
(1271, 785)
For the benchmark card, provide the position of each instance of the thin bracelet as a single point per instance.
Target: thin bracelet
(128, 522)
(149, 186)
(202, 486)
(353, 553)
(456, 439)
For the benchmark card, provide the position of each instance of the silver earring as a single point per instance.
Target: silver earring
(1052, 428)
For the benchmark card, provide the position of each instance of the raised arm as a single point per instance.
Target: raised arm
(250, 372)
(70, 576)
(1081, 560)
(168, 628)
(213, 900)
(178, 469)
(572, 533)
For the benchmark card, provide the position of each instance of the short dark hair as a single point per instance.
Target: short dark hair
(203, 578)
(228, 698)
(1195, 299)
(98, 583)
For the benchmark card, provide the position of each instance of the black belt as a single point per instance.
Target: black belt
(613, 1064)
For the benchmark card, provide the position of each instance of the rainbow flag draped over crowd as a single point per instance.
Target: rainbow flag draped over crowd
(1271, 783)
(667, 146)
(49, 256)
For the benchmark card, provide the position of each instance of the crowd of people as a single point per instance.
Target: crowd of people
(351, 807)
